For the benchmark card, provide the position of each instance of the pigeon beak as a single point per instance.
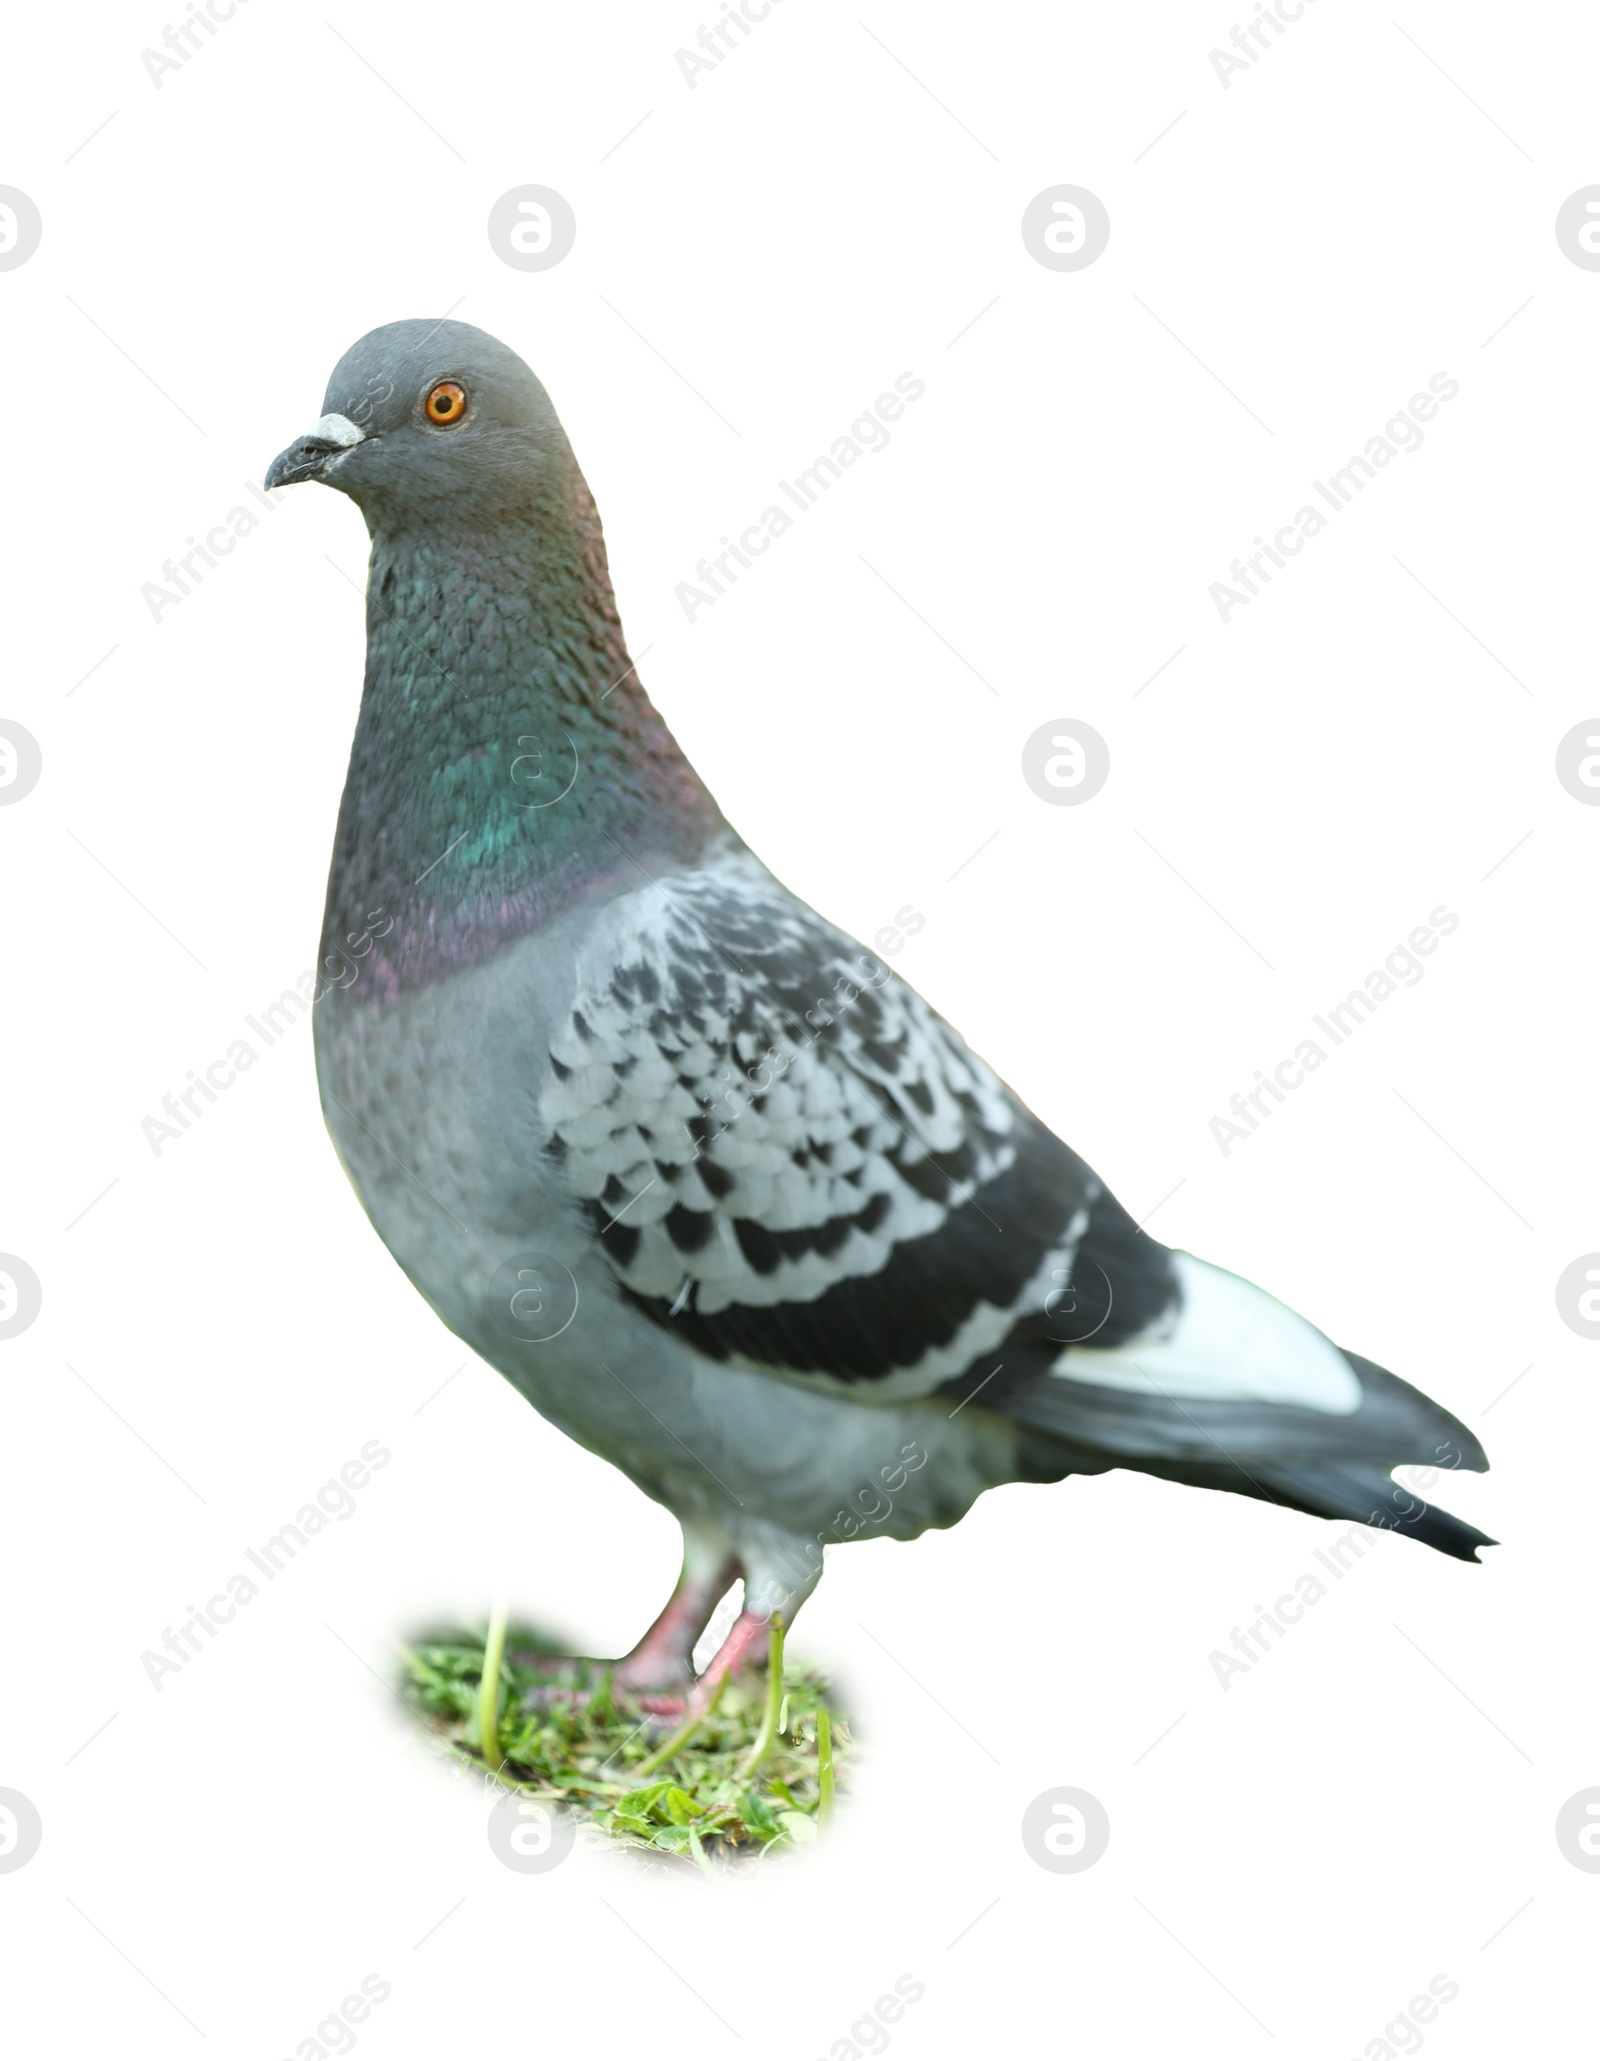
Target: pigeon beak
(311, 456)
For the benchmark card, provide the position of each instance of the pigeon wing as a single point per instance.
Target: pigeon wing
(791, 1160)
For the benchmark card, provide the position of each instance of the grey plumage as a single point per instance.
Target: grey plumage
(830, 1278)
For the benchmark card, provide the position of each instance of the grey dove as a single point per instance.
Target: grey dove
(717, 1192)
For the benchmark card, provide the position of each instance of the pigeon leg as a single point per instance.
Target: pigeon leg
(659, 1671)
(746, 1643)
(661, 1660)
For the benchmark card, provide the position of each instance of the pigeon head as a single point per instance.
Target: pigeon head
(433, 421)
(498, 681)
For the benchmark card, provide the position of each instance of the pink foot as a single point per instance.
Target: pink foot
(658, 1674)
(745, 1644)
(661, 1660)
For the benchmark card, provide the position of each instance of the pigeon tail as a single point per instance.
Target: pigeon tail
(1368, 1495)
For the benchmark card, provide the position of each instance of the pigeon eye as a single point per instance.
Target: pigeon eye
(447, 403)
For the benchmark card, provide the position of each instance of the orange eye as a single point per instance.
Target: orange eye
(446, 404)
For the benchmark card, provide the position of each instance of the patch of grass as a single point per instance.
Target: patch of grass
(755, 1775)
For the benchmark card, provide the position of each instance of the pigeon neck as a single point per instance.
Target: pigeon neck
(506, 762)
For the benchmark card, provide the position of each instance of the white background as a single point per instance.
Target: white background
(1374, 1804)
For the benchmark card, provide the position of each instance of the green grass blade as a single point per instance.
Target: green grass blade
(769, 1716)
(494, 1651)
